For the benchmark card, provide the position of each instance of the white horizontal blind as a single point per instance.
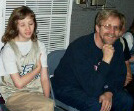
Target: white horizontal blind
(53, 20)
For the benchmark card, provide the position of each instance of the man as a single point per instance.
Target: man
(91, 74)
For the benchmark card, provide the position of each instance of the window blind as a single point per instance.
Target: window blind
(53, 20)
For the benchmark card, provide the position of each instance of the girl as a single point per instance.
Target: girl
(24, 57)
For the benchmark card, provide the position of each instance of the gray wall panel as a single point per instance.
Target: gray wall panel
(82, 21)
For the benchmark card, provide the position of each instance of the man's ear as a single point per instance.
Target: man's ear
(120, 33)
(97, 28)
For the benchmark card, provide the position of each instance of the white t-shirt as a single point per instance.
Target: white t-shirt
(9, 57)
(129, 38)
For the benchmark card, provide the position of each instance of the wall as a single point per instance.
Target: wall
(82, 21)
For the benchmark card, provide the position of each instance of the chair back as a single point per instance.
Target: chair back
(53, 60)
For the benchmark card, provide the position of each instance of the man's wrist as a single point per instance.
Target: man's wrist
(106, 60)
(108, 94)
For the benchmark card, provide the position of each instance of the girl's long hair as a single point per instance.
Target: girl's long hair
(18, 14)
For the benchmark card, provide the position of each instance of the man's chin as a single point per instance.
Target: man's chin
(109, 43)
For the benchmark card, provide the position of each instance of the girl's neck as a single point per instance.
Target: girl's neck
(17, 39)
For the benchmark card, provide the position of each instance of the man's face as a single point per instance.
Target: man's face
(109, 30)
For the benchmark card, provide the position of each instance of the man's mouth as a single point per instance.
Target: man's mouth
(110, 35)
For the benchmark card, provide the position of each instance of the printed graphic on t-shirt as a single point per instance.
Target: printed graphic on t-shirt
(27, 69)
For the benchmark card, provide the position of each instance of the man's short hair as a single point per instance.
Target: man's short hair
(105, 14)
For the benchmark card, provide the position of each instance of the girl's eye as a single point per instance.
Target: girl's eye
(22, 25)
(31, 23)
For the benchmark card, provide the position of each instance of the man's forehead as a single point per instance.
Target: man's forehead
(111, 20)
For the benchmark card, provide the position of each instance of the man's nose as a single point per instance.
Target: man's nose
(112, 30)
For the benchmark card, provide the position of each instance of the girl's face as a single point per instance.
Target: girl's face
(25, 29)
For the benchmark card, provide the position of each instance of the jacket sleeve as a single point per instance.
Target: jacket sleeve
(97, 79)
(118, 74)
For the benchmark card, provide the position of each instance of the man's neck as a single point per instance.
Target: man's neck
(98, 41)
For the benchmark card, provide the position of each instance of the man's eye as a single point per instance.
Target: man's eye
(116, 28)
(107, 26)
(22, 25)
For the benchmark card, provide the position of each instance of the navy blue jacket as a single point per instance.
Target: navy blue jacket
(82, 68)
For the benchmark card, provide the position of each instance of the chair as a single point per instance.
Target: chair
(2, 101)
(53, 61)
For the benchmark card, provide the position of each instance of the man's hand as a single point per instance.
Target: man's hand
(106, 100)
(108, 51)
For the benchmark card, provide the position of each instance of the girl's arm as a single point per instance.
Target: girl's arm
(45, 82)
(44, 74)
(21, 81)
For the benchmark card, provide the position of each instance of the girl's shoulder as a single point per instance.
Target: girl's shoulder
(7, 48)
(41, 44)
(7, 52)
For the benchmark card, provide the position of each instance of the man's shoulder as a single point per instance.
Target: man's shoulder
(83, 40)
(118, 42)
(118, 46)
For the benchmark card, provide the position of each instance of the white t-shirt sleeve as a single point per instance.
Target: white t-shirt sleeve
(129, 38)
(2, 69)
(43, 54)
(9, 60)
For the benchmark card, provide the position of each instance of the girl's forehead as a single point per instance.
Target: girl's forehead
(27, 18)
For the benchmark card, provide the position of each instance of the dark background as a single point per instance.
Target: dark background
(82, 21)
